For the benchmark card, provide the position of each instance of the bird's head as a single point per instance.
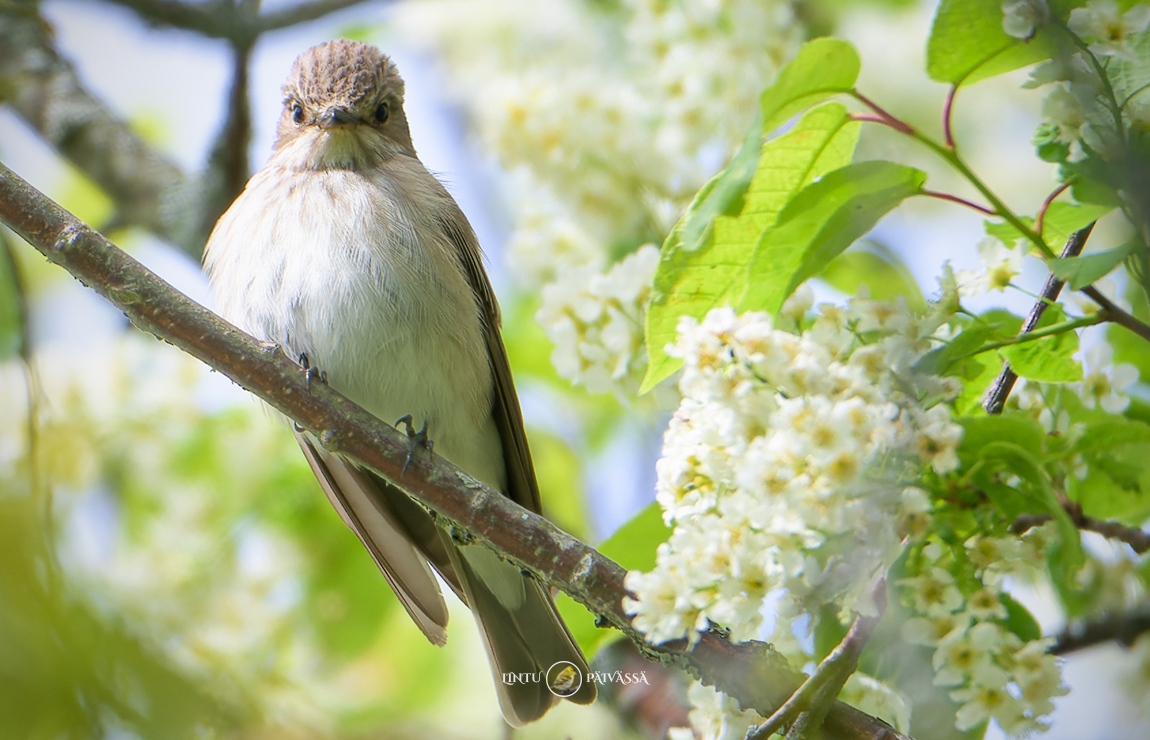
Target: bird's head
(343, 109)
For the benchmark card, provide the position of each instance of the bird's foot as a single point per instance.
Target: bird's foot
(415, 439)
(309, 373)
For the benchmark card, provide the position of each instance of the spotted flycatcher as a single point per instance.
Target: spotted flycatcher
(345, 250)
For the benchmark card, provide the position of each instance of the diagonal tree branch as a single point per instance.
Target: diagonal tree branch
(221, 19)
(238, 23)
(1123, 628)
(995, 400)
(1137, 539)
(753, 673)
(147, 187)
(302, 13)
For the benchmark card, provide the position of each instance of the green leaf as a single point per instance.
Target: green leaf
(1117, 482)
(1130, 348)
(633, 546)
(1083, 271)
(821, 69)
(1019, 620)
(1063, 219)
(982, 431)
(722, 195)
(966, 343)
(967, 43)
(704, 261)
(1050, 359)
(879, 269)
(820, 222)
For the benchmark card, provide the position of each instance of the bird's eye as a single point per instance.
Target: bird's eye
(382, 112)
(297, 113)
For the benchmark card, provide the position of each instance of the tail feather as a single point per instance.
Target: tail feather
(520, 628)
(522, 634)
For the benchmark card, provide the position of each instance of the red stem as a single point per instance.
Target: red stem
(961, 201)
(883, 116)
(1041, 217)
(947, 131)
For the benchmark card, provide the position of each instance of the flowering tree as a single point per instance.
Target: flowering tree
(829, 460)
(865, 482)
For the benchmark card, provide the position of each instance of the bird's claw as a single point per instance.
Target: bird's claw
(311, 373)
(415, 439)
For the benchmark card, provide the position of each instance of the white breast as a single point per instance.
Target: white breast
(338, 265)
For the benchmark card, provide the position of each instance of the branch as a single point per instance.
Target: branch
(828, 678)
(1000, 389)
(956, 199)
(303, 13)
(147, 187)
(219, 19)
(1121, 628)
(223, 19)
(227, 171)
(753, 673)
(1117, 315)
(1139, 540)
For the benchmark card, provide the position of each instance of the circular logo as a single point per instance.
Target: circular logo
(564, 679)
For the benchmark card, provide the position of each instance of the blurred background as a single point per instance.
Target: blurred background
(169, 567)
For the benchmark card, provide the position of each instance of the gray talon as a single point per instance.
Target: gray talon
(415, 439)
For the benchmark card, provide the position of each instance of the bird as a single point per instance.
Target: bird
(351, 256)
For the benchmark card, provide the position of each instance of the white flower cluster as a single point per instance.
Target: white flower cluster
(714, 716)
(1000, 265)
(994, 674)
(609, 122)
(596, 323)
(1022, 18)
(786, 463)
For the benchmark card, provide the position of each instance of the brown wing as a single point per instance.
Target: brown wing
(399, 534)
(522, 487)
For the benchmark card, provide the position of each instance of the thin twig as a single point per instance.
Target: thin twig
(947, 110)
(896, 123)
(753, 673)
(209, 19)
(303, 13)
(828, 678)
(1137, 539)
(1122, 628)
(995, 399)
(226, 20)
(1040, 219)
(227, 171)
(1117, 315)
(956, 199)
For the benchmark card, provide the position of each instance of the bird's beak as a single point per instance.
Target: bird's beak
(336, 116)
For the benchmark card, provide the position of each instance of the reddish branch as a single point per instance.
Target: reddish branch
(753, 673)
